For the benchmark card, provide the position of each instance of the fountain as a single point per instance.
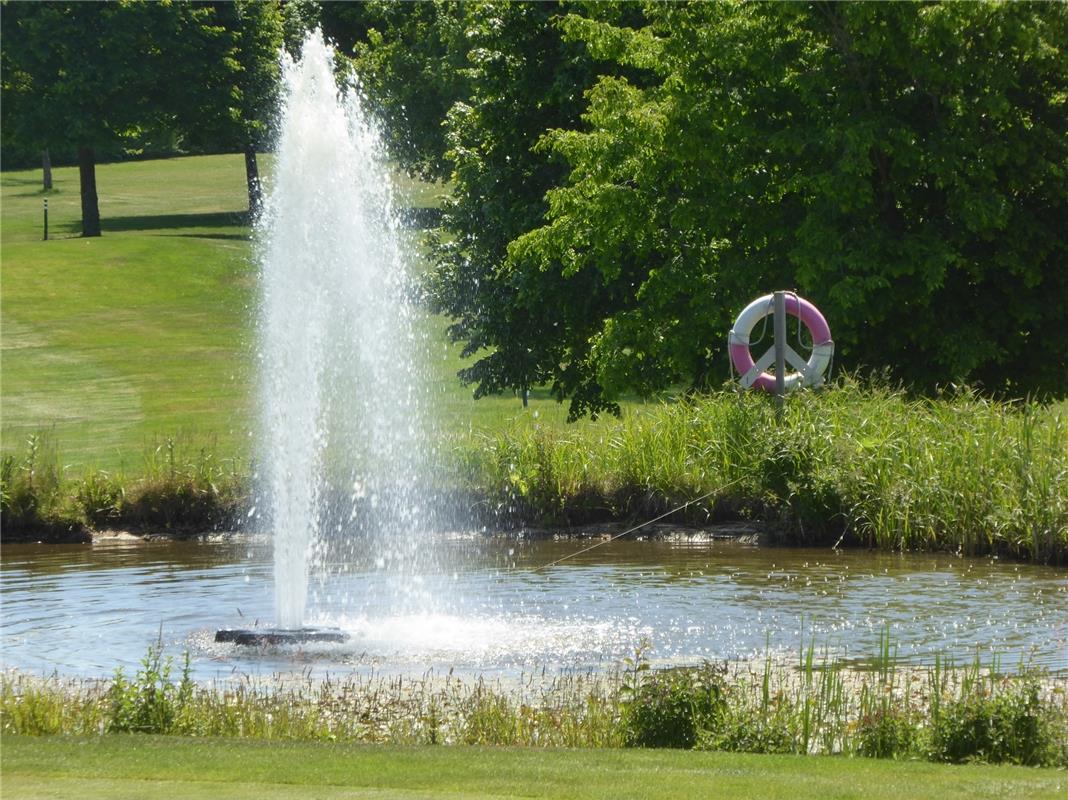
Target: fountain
(341, 423)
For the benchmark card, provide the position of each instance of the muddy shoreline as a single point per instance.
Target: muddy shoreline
(749, 533)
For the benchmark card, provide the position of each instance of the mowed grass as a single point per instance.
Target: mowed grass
(110, 345)
(168, 767)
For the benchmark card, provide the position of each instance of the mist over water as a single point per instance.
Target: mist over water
(342, 428)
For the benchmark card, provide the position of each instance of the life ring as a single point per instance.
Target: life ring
(809, 373)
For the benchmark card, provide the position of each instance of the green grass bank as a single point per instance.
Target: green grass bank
(857, 465)
(850, 466)
(166, 767)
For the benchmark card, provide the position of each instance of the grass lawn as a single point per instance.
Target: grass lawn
(169, 767)
(111, 344)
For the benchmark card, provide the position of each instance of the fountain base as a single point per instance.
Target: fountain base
(259, 637)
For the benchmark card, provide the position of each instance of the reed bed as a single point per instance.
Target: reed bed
(853, 464)
(178, 487)
(817, 706)
(859, 465)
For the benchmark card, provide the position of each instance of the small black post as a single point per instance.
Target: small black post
(780, 352)
(46, 219)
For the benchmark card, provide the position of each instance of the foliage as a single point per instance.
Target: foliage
(30, 486)
(178, 490)
(861, 464)
(100, 496)
(766, 706)
(522, 79)
(101, 76)
(994, 723)
(243, 110)
(671, 708)
(887, 732)
(151, 702)
(411, 64)
(899, 164)
(186, 491)
(133, 77)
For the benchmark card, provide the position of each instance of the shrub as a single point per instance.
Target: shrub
(994, 722)
(749, 729)
(672, 708)
(887, 732)
(99, 497)
(150, 703)
(29, 487)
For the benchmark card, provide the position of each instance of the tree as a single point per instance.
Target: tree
(900, 164)
(521, 79)
(411, 63)
(235, 113)
(98, 76)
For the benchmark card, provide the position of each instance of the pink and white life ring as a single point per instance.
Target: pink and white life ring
(809, 372)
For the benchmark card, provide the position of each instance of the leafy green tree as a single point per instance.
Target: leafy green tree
(901, 164)
(522, 79)
(408, 58)
(237, 114)
(103, 76)
(411, 62)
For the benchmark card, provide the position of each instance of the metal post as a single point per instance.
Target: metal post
(780, 351)
(46, 219)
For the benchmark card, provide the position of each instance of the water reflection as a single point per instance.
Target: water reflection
(495, 606)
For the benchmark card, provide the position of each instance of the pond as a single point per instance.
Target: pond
(492, 606)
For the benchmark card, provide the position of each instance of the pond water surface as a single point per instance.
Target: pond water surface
(492, 606)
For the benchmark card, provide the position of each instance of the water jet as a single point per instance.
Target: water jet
(342, 444)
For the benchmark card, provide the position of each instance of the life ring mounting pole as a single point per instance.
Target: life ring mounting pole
(809, 372)
(779, 306)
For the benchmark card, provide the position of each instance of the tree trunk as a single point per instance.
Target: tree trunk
(46, 169)
(90, 206)
(252, 177)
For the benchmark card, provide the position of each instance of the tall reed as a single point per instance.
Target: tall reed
(866, 464)
(817, 705)
(860, 464)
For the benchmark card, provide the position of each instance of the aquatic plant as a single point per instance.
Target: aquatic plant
(856, 463)
(816, 706)
(150, 702)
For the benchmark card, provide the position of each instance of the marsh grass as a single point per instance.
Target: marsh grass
(186, 488)
(860, 464)
(31, 496)
(855, 464)
(181, 487)
(817, 705)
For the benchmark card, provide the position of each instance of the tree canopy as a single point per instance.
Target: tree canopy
(625, 177)
(121, 77)
(902, 165)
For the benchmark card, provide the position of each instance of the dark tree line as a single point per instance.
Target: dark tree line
(121, 78)
(623, 177)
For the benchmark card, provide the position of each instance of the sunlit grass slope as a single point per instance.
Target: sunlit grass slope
(112, 344)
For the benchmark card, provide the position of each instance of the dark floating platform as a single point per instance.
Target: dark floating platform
(268, 636)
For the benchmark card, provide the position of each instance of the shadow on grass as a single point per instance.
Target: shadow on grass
(410, 218)
(38, 181)
(218, 219)
(232, 237)
(420, 218)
